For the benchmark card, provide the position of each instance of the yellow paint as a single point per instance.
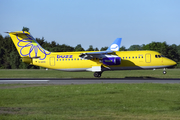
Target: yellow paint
(52, 61)
(27, 47)
(128, 59)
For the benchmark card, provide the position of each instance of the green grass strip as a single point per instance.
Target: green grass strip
(32, 73)
(145, 101)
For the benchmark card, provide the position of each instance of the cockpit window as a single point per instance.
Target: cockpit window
(158, 56)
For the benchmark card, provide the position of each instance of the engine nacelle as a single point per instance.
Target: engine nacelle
(111, 61)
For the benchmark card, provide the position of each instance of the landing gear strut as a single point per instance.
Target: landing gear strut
(97, 74)
(164, 71)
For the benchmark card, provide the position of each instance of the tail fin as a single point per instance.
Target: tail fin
(115, 45)
(27, 46)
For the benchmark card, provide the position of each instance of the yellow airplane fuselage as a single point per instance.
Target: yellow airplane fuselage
(70, 61)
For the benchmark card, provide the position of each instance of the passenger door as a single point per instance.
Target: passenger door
(52, 61)
(148, 58)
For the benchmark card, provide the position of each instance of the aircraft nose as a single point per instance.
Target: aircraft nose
(172, 63)
(169, 62)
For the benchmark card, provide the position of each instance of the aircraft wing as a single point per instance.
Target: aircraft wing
(91, 55)
(115, 46)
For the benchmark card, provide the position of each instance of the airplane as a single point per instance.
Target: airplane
(95, 61)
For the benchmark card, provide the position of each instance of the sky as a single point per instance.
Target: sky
(94, 22)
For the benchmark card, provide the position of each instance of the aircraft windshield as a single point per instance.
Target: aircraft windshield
(159, 56)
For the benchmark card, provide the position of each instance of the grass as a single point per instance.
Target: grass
(145, 101)
(33, 73)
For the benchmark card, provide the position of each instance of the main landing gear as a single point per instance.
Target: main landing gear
(97, 74)
(164, 71)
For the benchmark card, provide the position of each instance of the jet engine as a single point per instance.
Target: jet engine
(111, 60)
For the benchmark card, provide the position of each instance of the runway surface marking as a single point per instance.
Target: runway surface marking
(24, 80)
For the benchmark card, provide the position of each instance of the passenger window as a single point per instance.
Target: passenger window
(126, 57)
(129, 57)
(133, 57)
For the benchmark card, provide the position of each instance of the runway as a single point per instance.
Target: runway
(87, 81)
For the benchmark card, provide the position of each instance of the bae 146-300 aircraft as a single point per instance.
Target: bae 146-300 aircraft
(94, 61)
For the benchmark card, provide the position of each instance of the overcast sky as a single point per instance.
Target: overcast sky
(94, 22)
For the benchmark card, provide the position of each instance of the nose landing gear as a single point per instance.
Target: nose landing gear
(164, 71)
(97, 74)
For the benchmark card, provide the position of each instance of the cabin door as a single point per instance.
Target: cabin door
(148, 58)
(52, 61)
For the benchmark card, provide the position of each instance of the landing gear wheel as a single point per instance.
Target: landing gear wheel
(97, 74)
(164, 72)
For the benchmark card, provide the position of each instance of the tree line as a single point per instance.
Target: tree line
(10, 59)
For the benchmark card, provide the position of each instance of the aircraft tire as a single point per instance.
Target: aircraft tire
(97, 74)
(164, 72)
